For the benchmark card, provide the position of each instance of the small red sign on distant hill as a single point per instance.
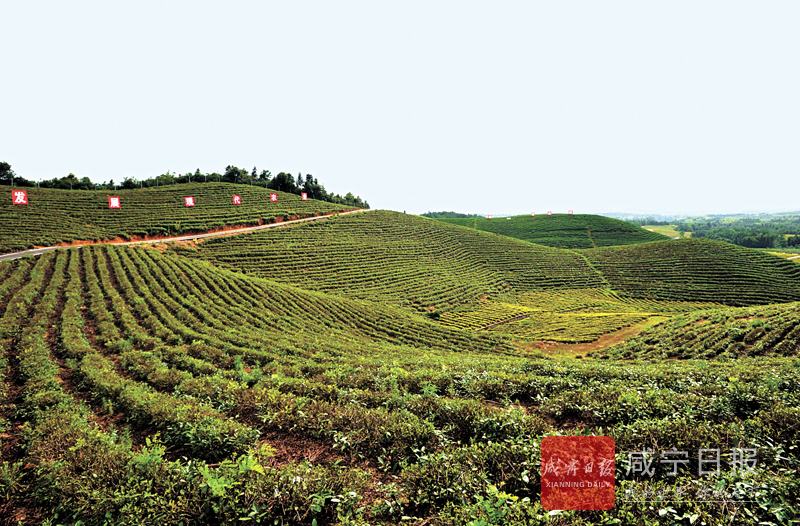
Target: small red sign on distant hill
(273, 197)
(304, 196)
(237, 199)
(549, 213)
(113, 202)
(20, 197)
(189, 201)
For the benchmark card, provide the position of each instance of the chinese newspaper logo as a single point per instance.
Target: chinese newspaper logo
(578, 473)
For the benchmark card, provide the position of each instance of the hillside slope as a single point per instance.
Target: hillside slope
(563, 230)
(52, 217)
(698, 270)
(401, 259)
(724, 333)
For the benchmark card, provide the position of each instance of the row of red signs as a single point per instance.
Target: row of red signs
(20, 197)
(533, 214)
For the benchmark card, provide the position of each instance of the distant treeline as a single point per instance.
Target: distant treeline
(777, 231)
(441, 215)
(282, 182)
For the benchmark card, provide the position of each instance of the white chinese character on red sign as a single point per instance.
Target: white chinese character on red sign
(490, 216)
(237, 199)
(549, 213)
(189, 201)
(113, 202)
(606, 467)
(304, 196)
(533, 214)
(273, 197)
(20, 197)
(551, 467)
(570, 212)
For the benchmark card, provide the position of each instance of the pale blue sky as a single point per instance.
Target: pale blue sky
(483, 107)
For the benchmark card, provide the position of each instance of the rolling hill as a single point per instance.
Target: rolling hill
(52, 217)
(563, 230)
(771, 330)
(697, 270)
(152, 388)
(401, 259)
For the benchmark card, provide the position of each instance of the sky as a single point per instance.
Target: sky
(509, 107)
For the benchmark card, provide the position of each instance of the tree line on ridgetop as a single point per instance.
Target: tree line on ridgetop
(282, 182)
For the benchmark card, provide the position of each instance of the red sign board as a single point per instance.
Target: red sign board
(304, 196)
(237, 199)
(189, 201)
(577, 473)
(273, 197)
(20, 197)
(549, 213)
(490, 216)
(113, 202)
(533, 214)
(570, 212)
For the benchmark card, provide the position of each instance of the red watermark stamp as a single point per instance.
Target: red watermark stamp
(578, 473)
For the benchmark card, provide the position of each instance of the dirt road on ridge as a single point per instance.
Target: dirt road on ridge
(38, 251)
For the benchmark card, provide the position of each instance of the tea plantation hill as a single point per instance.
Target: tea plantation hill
(147, 388)
(698, 270)
(400, 259)
(769, 330)
(562, 230)
(407, 260)
(53, 217)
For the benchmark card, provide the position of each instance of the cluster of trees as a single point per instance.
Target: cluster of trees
(282, 182)
(440, 215)
(777, 231)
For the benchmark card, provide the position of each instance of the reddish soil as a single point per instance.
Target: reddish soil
(551, 348)
(161, 237)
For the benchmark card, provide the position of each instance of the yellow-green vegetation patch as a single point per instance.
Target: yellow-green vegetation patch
(570, 327)
(602, 300)
(485, 314)
(664, 230)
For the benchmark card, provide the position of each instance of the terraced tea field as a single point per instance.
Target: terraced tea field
(375, 369)
(563, 230)
(401, 259)
(52, 217)
(698, 270)
(720, 333)
(149, 388)
(564, 315)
